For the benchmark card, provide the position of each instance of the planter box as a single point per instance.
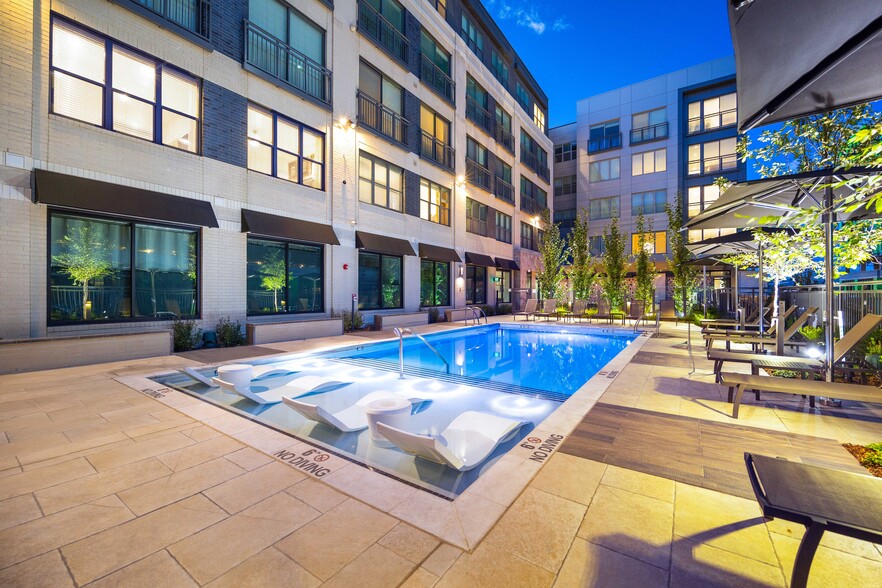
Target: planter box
(261, 333)
(406, 319)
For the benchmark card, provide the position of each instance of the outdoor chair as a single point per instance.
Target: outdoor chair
(529, 310)
(348, 420)
(258, 373)
(293, 389)
(549, 309)
(751, 330)
(578, 311)
(635, 312)
(756, 341)
(752, 321)
(603, 311)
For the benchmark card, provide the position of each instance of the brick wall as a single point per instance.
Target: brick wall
(225, 125)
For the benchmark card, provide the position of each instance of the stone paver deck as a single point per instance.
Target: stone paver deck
(103, 486)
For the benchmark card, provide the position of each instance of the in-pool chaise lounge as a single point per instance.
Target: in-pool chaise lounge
(300, 387)
(259, 372)
(348, 420)
(463, 445)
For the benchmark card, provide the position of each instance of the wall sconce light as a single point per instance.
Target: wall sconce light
(461, 271)
(345, 123)
(460, 180)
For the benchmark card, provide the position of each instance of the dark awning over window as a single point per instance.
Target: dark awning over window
(383, 244)
(480, 259)
(84, 194)
(436, 253)
(271, 225)
(507, 264)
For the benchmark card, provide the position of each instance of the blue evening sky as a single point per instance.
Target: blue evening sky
(578, 48)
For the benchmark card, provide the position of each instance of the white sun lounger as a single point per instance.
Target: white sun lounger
(464, 444)
(347, 420)
(293, 389)
(259, 372)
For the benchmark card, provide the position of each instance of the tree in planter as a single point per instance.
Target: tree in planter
(86, 257)
(553, 252)
(644, 266)
(678, 258)
(582, 272)
(613, 280)
(273, 275)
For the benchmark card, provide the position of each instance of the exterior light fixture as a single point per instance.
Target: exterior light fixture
(345, 123)
(460, 180)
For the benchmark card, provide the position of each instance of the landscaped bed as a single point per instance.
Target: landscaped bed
(870, 456)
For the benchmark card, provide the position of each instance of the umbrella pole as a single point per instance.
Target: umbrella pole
(828, 273)
(762, 306)
(704, 284)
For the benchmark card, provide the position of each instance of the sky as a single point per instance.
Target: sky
(578, 48)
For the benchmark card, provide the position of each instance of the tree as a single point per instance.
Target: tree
(868, 192)
(553, 252)
(582, 273)
(613, 280)
(273, 275)
(644, 266)
(679, 257)
(854, 243)
(85, 257)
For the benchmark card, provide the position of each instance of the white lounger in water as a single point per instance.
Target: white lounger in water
(464, 444)
(349, 419)
(299, 387)
(259, 372)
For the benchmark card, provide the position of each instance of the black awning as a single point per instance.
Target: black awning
(271, 225)
(480, 259)
(436, 253)
(507, 264)
(77, 193)
(795, 58)
(383, 244)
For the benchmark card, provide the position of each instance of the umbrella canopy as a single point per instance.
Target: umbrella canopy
(732, 243)
(799, 57)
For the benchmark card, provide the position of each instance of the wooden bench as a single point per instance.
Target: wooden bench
(259, 333)
(404, 319)
(738, 383)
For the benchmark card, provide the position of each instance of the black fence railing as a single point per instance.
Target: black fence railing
(530, 205)
(503, 190)
(504, 138)
(436, 78)
(479, 115)
(650, 133)
(709, 165)
(477, 174)
(192, 15)
(374, 25)
(438, 151)
(715, 120)
(281, 61)
(532, 161)
(381, 118)
(604, 143)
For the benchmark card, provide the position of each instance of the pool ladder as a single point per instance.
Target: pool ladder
(401, 332)
(477, 313)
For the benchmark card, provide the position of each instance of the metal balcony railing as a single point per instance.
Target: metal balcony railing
(438, 151)
(479, 115)
(374, 25)
(192, 15)
(504, 138)
(437, 79)
(530, 205)
(716, 120)
(709, 165)
(503, 190)
(604, 143)
(532, 161)
(650, 133)
(477, 174)
(281, 61)
(381, 118)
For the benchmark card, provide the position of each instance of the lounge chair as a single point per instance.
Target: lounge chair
(348, 420)
(603, 311)
(667, 310)
(756, 341)
(258, 372)
(635, 312)
(752, 322)
(293, 389)
(463, 445)
(751, 330)
(529, 310)
(579, 308)
(549, 309)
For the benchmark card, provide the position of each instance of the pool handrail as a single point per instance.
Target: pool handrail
(476, 316)
(400, 332)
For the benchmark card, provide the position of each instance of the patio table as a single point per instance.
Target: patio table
(805, 366)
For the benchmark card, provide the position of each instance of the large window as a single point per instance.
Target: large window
(108, 270)
(476, 284)
(472, 36)
(656, 243)
(503, 129)
(603, 208)
(435, 66)
(595, 246)
(565, 152)
(434, 283)
(440, 6)
(476, 217)
(648, 162)
(528, 240)
(383, 21)
(534, 156)
(503, 227)
(565, 185)
(379, 182)
(435, 137)
(712, 157)
(434, 202)
(533, 198)
(646, 126)
(379, 281)
(604, 136)
(700, 197)
(284, 148)
(381, 103)
(523, 97)
(477, 103)
(284, 277)
(713, 113)
(97, 81)
(648, 202)
(503, 285)
(539, 117)
(499, 68)
(289, 26)
(601, 171)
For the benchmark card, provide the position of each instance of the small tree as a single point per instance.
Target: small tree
(613, 281)
(85, 257)
(679, 257)
(644, 266)
(582, 273)
(273, 275)
(553, 254)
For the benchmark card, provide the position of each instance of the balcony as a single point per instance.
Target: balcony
(710, 165)
(374, 25)
(477, 174)
(712, 121)
(382, 119)
(479, 115)
(650, 133)
(503, 190)
(530, 205)
(531, 160)
(504, 138)
(190, 15)
(437, 79)
(437, 151)
(604, 143)
(284, 63)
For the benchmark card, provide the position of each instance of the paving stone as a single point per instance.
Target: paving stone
(252, 487)
(441, 559)
(570, 477)
(159, 569)
(588, 564)
(29, 481)
(377, 567)
(270, 567)
(700, 565)
(409, 542)
(18, 510)
(491, 567)
(44, 571)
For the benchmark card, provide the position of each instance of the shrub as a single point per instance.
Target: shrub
(229, 334)
(503, 309)
(874, 459)
(351, 321)
(812, 333)
(186, 335)
(875, 447)
(488, 310)
(434, 315)
(591, 312)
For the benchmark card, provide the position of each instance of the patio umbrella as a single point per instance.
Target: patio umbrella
(799, 57)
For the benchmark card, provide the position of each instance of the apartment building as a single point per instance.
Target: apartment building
(637, 148)
(261, 160)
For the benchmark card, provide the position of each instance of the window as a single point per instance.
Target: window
(476, 217)
(503, 286)
(502, 187)
(440, 6)
(603, 208)
(604, 136)
(712, 157)
(435, 143)
(476, 152)
(284, 277)
(146, 98)
(498, 67)
(472, 36)
(380, 103)
(606, 169)
(503, 129)
(284, 148)
(648, 162)
(383, 21)
(565, 218)
(503, 227)
(379, 182)
(435, 66)
(434, 202)
(647, 126)
(532, 155)
(528, 240)
(191, 15)
(713, 113)
(477, 171)
(565, 152)
(523, 97)
(138, 270)
(700, 197)
(379, 281)
(539, 117)
(648, 202)
(476, 284)
(595, 246)
(477, 102)
(533, 198)
(565, 185)
(699, 234)
(656, 243)
(434, 283)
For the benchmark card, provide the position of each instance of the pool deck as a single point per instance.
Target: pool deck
(103, 485)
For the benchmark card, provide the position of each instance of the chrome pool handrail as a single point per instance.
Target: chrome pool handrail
(401, 332)
(475, 316)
